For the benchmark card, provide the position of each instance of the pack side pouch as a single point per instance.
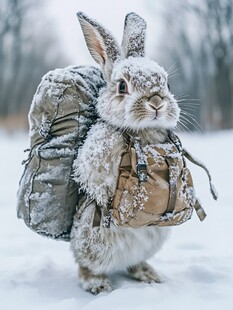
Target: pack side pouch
(48, 197)
(141, 204)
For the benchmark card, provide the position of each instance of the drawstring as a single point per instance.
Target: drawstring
(197, 206)
(200, 164)
(44, 132)
(175, 139)
(30, 155)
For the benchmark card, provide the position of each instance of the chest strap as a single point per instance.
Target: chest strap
(172, 180)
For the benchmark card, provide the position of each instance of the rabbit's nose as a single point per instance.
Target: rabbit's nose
(156, 102)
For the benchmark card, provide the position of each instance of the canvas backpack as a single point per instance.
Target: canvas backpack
(155, 186)
(62, 111)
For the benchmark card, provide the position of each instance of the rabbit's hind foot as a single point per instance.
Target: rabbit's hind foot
(92, 283)
(145, 273)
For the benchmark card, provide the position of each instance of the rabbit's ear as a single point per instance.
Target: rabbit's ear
(100, 42)
(133, 42)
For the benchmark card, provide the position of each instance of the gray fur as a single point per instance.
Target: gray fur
(101, 44)
(147, 109)
(133, 42)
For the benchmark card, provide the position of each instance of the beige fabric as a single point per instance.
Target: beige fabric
(140, 204)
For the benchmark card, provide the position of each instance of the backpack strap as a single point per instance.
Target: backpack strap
(172, 186)
(199, 210)
(141, 166)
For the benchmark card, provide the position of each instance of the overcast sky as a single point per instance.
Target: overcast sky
(110, 13)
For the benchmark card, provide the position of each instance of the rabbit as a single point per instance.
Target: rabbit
(136, 100)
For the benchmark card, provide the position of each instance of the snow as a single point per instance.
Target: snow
(94, 160)
(134, 33)
(196, 262)
(144, 73)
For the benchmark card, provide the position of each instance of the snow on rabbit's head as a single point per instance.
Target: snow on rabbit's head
(136, 95)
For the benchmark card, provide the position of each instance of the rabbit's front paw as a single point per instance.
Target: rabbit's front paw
(94, 284)
(145, 273)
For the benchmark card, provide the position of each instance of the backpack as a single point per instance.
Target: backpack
(155, 187)
(61, 113)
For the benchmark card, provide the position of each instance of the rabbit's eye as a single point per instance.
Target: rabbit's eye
(168, 86)
(122, 87)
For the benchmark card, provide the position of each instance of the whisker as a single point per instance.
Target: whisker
(171, 67)
(188, 104)
(190, 99)
(181, 95)
(189, 115)
(189, 108)
(185, 124)
(185, 117)
(179, 127)
(174, 75)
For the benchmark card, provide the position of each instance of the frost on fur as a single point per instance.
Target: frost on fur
(145, 74)
(146, 108)
(96, 166)
(133, 42)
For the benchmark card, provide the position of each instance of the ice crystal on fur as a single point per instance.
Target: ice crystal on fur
(93, 166)
(96, 167)
(145, 74)
(133, 42)
(103, 250)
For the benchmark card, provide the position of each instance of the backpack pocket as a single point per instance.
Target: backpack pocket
(166, 198)
(48, 196)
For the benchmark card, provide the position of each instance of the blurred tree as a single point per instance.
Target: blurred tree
(27, 51)
(199, 37)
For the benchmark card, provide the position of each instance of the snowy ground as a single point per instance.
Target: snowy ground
(197, 260)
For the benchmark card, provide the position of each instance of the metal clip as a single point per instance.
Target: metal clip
(141, 166)
(142, 172)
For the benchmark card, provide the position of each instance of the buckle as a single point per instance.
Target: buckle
(142, 172)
